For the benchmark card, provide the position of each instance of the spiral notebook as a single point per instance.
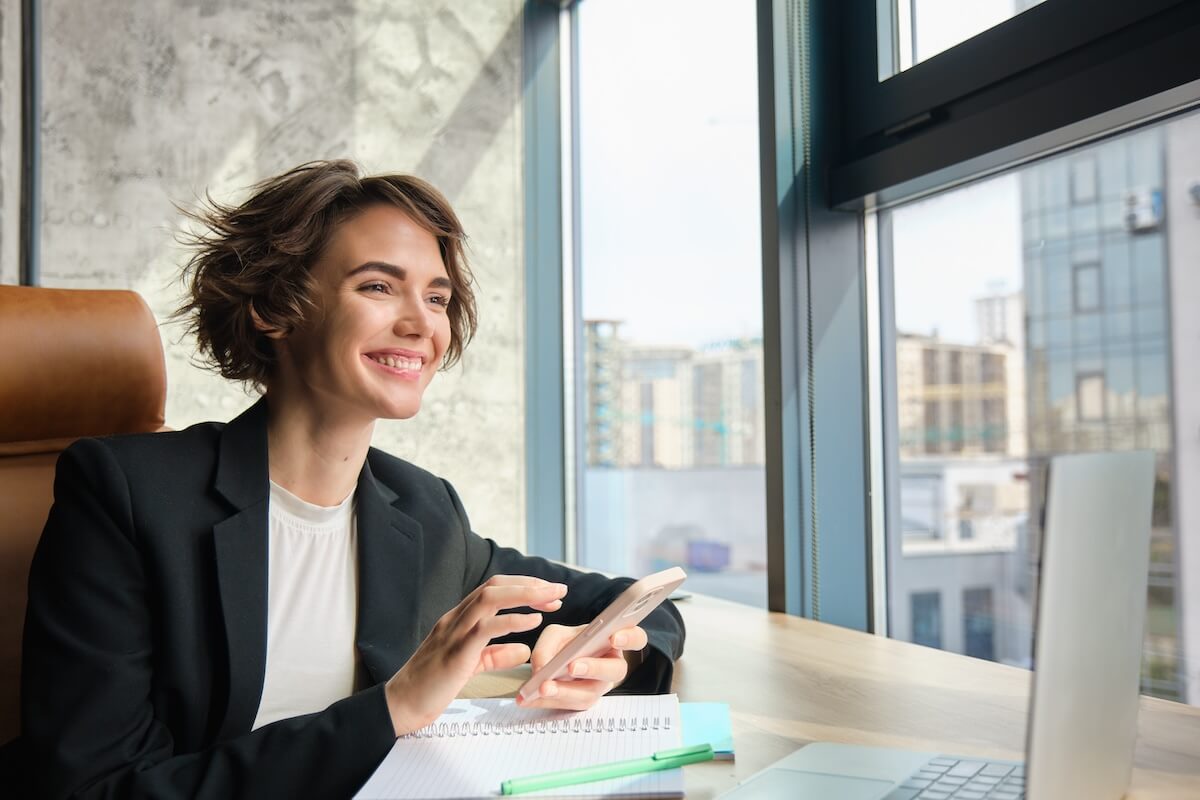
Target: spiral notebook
(476, 744)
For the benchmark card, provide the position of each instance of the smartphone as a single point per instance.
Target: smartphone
(630, 608)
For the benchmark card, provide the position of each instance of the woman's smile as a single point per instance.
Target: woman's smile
(405, 367)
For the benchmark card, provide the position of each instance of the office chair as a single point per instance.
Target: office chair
(73, 363)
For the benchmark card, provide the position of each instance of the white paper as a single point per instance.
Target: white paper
(480, 743)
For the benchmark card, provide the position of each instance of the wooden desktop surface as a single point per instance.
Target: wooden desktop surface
(790, 681)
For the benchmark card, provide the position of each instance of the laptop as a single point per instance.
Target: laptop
(1087, 657)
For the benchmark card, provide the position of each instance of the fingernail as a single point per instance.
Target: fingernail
(549, 690)
(579, 668)
(620, 640)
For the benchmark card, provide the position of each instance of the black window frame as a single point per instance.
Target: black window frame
(979, 106)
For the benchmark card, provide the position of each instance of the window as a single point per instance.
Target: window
(991, 367)
(669, 281)
(1087, 287)
(1109, 368)
(926, 618)
(933, 426)
(979, 624)
(1083, 180)
(955, 432)
(955, 367)
(929, 366)
(922, 506)
(1089, 394)
(920, 29)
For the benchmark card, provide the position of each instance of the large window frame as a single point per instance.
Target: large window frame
(836, 143)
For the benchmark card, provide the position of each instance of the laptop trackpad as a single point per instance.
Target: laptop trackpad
(780, 782)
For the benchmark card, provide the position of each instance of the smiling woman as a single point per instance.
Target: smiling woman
(258, 609)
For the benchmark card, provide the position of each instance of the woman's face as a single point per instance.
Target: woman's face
(380, 327)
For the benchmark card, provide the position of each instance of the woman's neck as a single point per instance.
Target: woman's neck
(314, 453)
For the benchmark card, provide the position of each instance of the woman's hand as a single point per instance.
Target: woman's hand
(457, 647)
(591, 678)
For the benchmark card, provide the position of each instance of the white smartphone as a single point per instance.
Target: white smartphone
(630, 608)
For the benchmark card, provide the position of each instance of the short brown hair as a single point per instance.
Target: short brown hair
(259, 255)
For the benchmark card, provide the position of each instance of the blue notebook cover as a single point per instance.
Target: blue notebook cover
(708, 723)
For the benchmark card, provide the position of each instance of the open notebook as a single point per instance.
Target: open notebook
(476, 744)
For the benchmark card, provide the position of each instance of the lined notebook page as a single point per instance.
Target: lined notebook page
(476, 744)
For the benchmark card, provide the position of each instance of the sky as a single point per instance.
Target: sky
(950, 249)
(669, 228)
(669, 169)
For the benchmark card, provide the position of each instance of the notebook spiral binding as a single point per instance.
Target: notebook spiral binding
(561, 725)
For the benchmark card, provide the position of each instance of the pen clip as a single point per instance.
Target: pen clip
(694, 750)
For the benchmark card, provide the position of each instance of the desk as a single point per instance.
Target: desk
(790, 681)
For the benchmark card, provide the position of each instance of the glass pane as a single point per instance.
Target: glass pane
(1098, 354)
(911, 31)
(672, 470)
(927, 618)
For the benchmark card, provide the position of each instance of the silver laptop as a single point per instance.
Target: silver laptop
(1088, 652)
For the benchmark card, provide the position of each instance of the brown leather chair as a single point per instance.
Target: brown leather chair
(73, 363)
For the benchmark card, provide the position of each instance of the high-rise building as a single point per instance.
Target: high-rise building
(656, 411)
(1182, 202)
(1098, 339)
(671, 407)
(674, 471)
(963, 491)
(727, 403)
(953, 399)
(602, 391)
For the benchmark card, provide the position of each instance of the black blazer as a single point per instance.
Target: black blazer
(145, 636)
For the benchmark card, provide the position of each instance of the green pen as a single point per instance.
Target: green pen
(664, 759)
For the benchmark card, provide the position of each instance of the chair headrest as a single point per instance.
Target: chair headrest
(77, 363)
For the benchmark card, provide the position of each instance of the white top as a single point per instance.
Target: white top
(312, 603)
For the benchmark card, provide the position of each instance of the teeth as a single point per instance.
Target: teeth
(406, 364)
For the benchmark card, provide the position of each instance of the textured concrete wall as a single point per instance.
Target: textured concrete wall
(154, 102)
(10, 139)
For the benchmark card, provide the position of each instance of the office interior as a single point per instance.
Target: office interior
(800, 295)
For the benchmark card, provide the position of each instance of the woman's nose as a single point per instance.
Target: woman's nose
(413, 318)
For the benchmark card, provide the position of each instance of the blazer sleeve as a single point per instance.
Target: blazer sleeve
(87, 718)
(587, 595)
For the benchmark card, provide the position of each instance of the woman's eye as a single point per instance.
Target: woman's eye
(375, 287)
(439, 300)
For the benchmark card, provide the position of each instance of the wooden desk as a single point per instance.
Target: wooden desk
(791, 681)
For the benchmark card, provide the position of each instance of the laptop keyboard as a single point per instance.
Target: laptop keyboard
(946, 778)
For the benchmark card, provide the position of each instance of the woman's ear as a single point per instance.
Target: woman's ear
(270, 331)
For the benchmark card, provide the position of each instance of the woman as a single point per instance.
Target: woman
(258, 609)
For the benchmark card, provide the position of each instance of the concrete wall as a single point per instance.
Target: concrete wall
(152, 103)
(10, 139)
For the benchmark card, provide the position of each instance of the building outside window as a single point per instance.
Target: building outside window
(672, 471)
(1080, 249)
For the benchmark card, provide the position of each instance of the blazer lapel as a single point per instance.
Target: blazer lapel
(389, 579)
(242, 562)
(389, 570)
